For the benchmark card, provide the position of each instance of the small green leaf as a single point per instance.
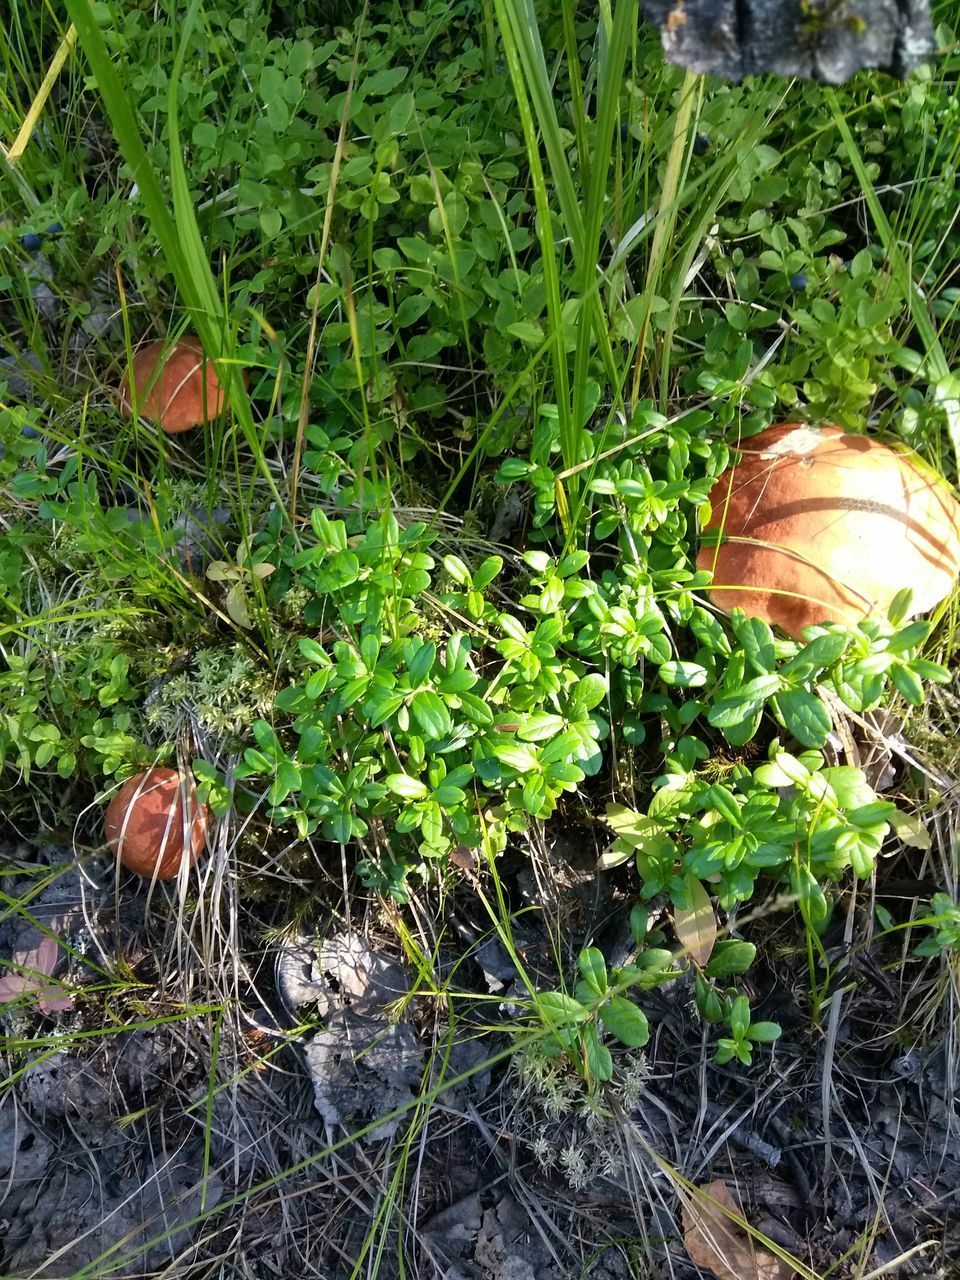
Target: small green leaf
(639, 923)
(696, 925)
(900, 605)
(804, 716)
(723, 802)
(683, 675)
(237, 607)
(420, 664)
(599, 1059)
(820, 653)
(590, 691)
(526, 331)
(737, 707)
(312, 651)
(624, 1020)
(740, 1017)
(517, 758)
(488, 570)
(537, 728)
(910, 829)
(730, 957)
(401, 784)
(559, 1010)
(764, 1032)
(907, 683)
(784, 770)
(708, 1001)
(813, 902)
(401, 112)
(593, 967)
(430, 714)
(757, 640)
(726, 1050)
(457, 570)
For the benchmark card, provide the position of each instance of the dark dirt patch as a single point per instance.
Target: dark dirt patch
(842, 1143)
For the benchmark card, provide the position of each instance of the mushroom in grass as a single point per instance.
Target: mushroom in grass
(814, 524)
(176, 386)
(152, 819)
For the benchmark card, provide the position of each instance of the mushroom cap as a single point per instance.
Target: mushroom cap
(818, 525)
(184, 393)
(146, 826)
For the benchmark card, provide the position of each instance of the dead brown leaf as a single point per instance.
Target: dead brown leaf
(41, 961)
(721, 1246)
(696, 926)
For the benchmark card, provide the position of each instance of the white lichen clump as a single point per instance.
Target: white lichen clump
(222, 692)
(567, 1128)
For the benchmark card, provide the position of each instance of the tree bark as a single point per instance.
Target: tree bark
(825, 40)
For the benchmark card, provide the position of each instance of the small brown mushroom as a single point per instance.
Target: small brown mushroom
(147, 825)
(177, 386)
(820, 525)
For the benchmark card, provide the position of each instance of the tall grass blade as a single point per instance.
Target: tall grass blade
(519, 18)
(666, 215)
(937, 367)
(127, 133)
(611, 81)
(203, 287)
(551, 269)
(179, 238)
(30, 120)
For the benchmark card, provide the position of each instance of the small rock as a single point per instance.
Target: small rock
(340, 972)
(362, 1069)
(14, 372)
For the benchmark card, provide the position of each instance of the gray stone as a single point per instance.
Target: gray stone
(825, 40)
(18, 372)
(361, 1069)
(340, 972)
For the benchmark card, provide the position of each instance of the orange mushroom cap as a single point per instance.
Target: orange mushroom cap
(146, 825)
(819, 525)
(177, 386)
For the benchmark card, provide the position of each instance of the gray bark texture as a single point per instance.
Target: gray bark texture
(825, 40)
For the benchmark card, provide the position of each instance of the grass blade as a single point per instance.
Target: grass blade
(551, 270)
(22, 140)
(179, 237)
(937, 366)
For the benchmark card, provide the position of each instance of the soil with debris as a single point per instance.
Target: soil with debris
(280, 1135)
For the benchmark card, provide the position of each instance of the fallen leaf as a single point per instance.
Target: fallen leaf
(237, 606)
(723, 1247)
(696, 925)
(42, 961)
(911, 830)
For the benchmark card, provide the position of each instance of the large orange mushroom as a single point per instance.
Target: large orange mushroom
(814, 524)
(153, 819)
(176, 386)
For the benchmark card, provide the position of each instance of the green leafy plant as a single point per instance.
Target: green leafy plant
(460, 268)
(575, 1024)
(946, 921)
(240, 575)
